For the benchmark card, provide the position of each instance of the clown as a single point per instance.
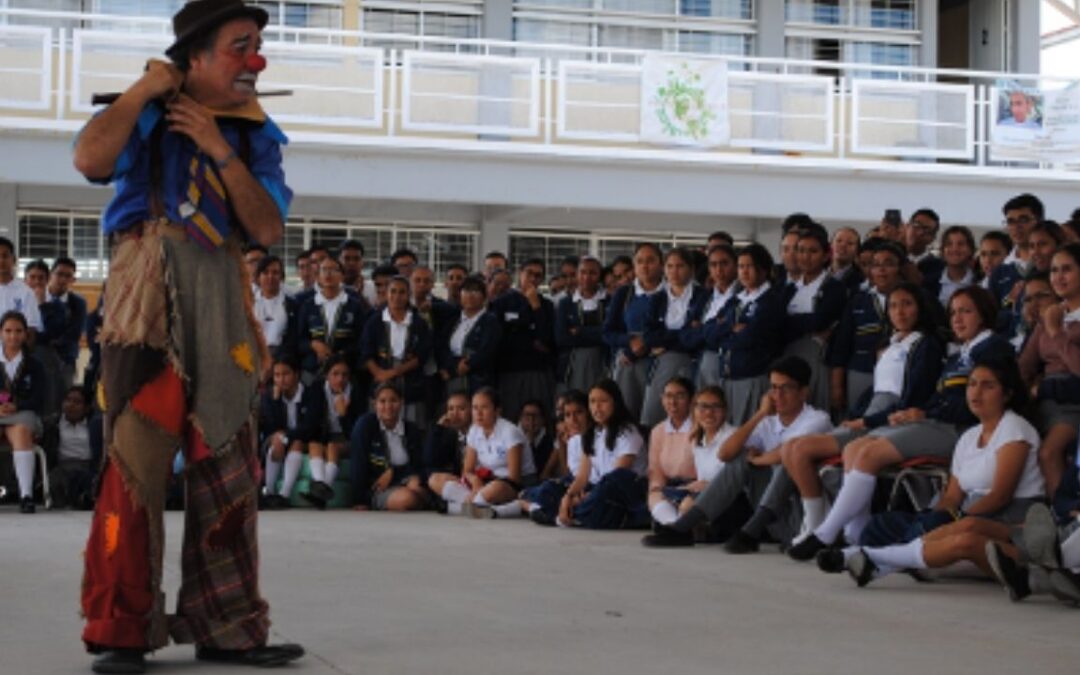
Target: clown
(196, 165)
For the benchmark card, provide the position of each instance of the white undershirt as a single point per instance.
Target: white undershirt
(395, 443)
(330, 307)
(399, 333)
(974, 467)
(272, 317)
(707, 462)
(717, 302)
(948, 286)
(11, 367)
(677, 307)
(803, 300)
(889, 370)
(292, 406)
(461, 331)
(589, 304)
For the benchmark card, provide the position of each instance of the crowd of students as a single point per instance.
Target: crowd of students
(699, 392)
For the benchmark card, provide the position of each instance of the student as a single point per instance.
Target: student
(385, 457)
(904, 377)
(63, 314)
(453, 281)
(15, 295)
(498, 464)
(855, 342)
(671, 452)
(748, 455)
(579, 329)
(1053, 351)
(608, 491)
(283, 425)
(958, 254)
(931, 430)
(526, 355)
(78, 441)
(541, 502)
(533, 423)
(722, 278)
(395, 344)
(845, 256)
(672, 496)
(1044, 239)
(274, 310)
(1021, 214)
(333, 410)
(444, 446)
(994, 247)
(624, 326)
(1045, 552)
(22, 381)
(749, 333)
(814, 302)
(328, 323)
(467, 350)
(994, 479)
(669, 311)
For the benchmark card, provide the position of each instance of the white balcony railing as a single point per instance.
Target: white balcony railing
(352, 87)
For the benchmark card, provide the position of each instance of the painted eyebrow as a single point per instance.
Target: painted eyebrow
(245, 39)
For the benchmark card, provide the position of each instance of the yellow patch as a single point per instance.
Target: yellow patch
(243, 357)
(112, 533)
(101, 397)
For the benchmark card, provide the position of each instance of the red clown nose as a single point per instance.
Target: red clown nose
(256, 63)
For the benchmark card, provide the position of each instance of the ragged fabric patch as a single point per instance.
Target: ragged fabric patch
(228, 529)
(112, 533)
(144, 454)
(242, 356)
(162, 401)
(136, 295)
(124, 371)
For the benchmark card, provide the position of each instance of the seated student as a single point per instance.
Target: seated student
(1052, 359)
(283, 420)
(328, 323)
(396, 343)
(1037, 295)
(813, 301)
(332, 412)
(1044, 239)
(466, 351)
(994, 247)
(709, 432)
(853, 349)
(444, 445)
(498, 464)
(579, 329)
(722, 278)
(608, 491)
(533, 423)
(904, 377)
(624, 326)
(22, 382)
(671, 454)
(385, 457)
(1021, 214)
(749, 333)
(931, 430)
(556, 461)
(78, 441)
(541, 502)
(994, 479)
(748, 455)
(958, 254)
(274, 309)
(1050, 555)
(668, 313)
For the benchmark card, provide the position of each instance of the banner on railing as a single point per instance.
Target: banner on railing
(1035, 124)
(684, 102)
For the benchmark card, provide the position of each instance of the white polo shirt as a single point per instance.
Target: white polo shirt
(492, 452)
(974, 467)
(629, 442)
(17, 296)
(770, 432)
(707, 462)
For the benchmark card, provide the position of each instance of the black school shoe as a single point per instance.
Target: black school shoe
(267, 656)
(665, 537)
(26, 505)
(539, 517)
(861, 568)
(318, 494)
(807, 549)
(831, 561)
(740, 543)
(1012, 575)
(120, 661)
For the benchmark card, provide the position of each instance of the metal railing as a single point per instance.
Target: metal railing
(351, 87)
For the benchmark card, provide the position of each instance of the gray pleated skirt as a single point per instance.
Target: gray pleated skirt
(518, 387)
(744, 397)
(857, 384)
(632, 380)
(666, 366)
(813, 352)
(1052, 413)
(925, 438)
(27, 418)
(708, 370)
(586, 367)
(881, 401)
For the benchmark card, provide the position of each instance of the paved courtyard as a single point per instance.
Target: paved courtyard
(419, 593)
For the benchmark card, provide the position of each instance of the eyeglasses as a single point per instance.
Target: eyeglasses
(1020, 220)
(786, 388)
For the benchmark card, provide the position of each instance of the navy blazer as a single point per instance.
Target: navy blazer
(748, 352)
(274, 417)
(64, 323)
(692, 336)
(316, 423)
(862, 329)
(625, 317)
(27, 389)
(851, 279)
(443, 451)
(921, 372)
(375, 346)
(369, 455)
(528, 336)
(949, 402)
(481, 348)
(931, 267)
(589, 325)
(828, 306)
(657, 334)
(1002, 280)
(311, 325)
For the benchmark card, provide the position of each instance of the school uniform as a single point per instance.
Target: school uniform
(811, 309)
(1057, 359)
(492, 451)
(375, 448)
(666, 317)
(704, 465)
(542, 446)
(322, 422)
(584, 357)
(337, 322)
(548, 495)
(863, 326)
(626, 318)
(288, 415)
(277, 317)
(941, 287)
(526, 355)
(22, 382)
(616, 498)
(851, 277)
(1002, 281)
(444, 451)
(929, 265)
(476, 339)
(703, 342)
(748, 352)
(389, 343)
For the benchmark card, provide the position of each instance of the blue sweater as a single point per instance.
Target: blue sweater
(311, 325)
(748, 352)
(375, 346)
(657, 334)
(862, 329)
(829, 302)
(64, 323)
(481, 347)
(949, 402)
(921, 372)
(528, 336)
(626, 316)
(369, 455)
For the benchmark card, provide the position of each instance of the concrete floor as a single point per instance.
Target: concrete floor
(419, 593)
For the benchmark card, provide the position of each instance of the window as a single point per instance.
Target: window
(50, 234)
(887, 14)
(549, 247)
(462, 19)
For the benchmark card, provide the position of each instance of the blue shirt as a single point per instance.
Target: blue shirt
(131, 173)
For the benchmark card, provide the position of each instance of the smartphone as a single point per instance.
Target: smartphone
(892, 217)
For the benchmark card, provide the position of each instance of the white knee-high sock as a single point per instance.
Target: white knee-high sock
(273, 468)
(664, 513)
(480, 501)
(508, 510)
(293, 462)
(1070, 551)
(331, 473)
(855, 495)
(24, 471)
(853, 530)
(813, 512)
(901, 556)
(317, 467)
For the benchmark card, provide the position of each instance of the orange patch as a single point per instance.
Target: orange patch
(112, 533)
(243, 357)
(161, 401)
(102, 403)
